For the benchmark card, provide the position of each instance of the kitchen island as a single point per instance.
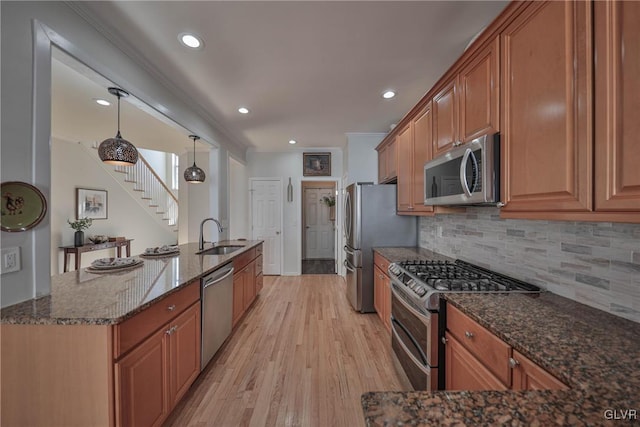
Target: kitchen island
(595, 353)
(115, 348)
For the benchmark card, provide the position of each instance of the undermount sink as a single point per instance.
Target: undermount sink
(220, 250)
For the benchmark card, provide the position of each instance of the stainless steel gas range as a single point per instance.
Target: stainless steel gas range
(418, 313)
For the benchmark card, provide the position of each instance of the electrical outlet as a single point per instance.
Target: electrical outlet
(10, 260)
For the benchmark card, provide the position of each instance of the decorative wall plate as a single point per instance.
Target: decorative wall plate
(22, 205)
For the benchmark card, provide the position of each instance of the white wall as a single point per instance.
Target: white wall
(158, 162)
(28, 31)
(238, 201)
(361, 164)
(285, 165)
(72, 166)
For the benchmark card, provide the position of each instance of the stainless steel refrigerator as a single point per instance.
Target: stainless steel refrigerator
(370, 221)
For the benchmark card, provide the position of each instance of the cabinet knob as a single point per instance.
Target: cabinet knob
(468, 334)
(513, 363)
(444, 340)
(171, 307)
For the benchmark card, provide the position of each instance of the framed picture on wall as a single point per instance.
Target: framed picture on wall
(316, 164)
(91, 203)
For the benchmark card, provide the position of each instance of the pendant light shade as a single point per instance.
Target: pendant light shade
(118, 151)
(193, 174)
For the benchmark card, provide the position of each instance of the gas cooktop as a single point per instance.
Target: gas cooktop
(423, 280)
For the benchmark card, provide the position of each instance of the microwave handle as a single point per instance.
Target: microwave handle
(463, 172)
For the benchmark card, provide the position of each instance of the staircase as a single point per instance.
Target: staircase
(153, 193)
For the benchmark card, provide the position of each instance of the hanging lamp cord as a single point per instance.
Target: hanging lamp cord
(118, 134)
(194, 151)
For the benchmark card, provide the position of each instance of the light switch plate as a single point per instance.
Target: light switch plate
(10, 260)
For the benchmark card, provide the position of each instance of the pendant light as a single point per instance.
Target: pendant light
(118, 151)
(193, 174)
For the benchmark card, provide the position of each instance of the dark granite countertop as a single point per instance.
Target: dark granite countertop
(595, 353)
(81, 297)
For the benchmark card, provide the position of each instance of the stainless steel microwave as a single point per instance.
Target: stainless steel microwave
(468, 174)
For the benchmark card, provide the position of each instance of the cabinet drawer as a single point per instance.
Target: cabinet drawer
(381, 262)
(486, 347)
(132, 331)
(259, 265)
(241, 261)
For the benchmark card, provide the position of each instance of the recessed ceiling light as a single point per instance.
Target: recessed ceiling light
(190, 40)
(292, 141)
(103, 102)
(388, 94)
(243, 110)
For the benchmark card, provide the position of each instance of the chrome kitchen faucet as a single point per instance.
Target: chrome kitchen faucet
(201, 241)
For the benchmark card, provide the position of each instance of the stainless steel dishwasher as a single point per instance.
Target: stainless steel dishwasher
(217, 306)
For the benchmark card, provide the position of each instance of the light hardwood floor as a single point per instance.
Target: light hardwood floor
(300, 357)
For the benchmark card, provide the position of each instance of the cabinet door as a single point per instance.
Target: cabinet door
(249, 284)
(479, 93)
(617, 103)
(464, 372)
(141, 392)
(445, 119)
(238, 296)
(404, 143)
(422, 146)
(386, 301)
(382, 165)
(184, 352)
(378, 276)
(529, 376)
(392, 160)
(547, 108)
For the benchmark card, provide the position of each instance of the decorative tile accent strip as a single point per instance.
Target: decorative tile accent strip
(597, 264)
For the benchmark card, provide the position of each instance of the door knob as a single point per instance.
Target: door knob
(277, 232)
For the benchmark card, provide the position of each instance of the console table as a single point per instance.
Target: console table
(78, 250)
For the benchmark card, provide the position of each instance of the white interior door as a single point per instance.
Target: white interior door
(266, 222)
(319, 229)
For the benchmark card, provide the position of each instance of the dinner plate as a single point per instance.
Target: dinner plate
(161, 250)
(114, 270)
(23, 206)
(114, 263)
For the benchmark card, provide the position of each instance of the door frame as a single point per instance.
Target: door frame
(337, 244)
(282, 198)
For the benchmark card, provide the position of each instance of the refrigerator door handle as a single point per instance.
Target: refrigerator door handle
(347, 265)
(347, 250)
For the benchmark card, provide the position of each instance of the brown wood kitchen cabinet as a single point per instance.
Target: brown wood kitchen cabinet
(247, 280)
(479, 89)
(547, 108)
(151, 379)
(445, 118)
(382, 290)
(130, 373)
(414, 149)
(387, 161)
(617, 103)
(476, 359)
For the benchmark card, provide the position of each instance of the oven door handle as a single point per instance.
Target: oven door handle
(406, 305)
(415, 361)
(394, 322)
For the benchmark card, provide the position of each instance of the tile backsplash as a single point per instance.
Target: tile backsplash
(597, 264)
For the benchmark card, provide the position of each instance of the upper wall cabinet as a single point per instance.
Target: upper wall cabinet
(479, 89)
(414, 149)
(445, 118)
(387, 162)
(547, 108)
(617, 38)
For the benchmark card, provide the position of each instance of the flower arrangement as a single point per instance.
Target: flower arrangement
(329, 200)
(80, 224)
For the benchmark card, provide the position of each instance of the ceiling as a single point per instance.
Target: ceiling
(309, 71)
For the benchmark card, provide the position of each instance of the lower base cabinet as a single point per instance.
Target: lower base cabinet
(476, 359)
(247, 281)
(152, 378)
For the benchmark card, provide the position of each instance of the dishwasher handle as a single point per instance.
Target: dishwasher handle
(210, 281)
